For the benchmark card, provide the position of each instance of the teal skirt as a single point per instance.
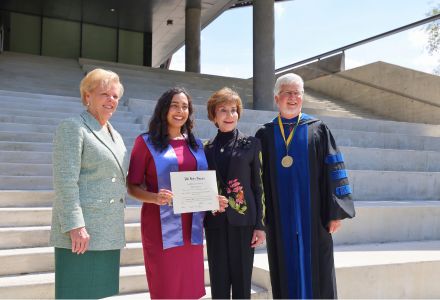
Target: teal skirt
(92, 275)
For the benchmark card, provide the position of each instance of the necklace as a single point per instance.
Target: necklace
(222, 147)
(217, 170)
(287, 160)
(179, 137)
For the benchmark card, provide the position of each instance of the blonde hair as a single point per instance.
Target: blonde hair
(99, 77)
(224, 95)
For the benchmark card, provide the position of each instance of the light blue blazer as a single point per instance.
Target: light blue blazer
(89, 173)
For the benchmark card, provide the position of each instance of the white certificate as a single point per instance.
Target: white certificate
(194, 191)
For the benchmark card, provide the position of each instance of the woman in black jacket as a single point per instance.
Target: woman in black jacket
(231, 237)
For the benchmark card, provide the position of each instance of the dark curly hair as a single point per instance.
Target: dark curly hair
(158, 127)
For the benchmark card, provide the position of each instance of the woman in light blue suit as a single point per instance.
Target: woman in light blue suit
(89, 169)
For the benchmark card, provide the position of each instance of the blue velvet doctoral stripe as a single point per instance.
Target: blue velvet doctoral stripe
(171, 224)
(339, 174)
(333, 159)
(343, 190)
(294, 203)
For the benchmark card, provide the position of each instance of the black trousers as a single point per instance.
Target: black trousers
(230, 259)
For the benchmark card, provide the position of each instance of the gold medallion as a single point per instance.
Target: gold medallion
(287, 161)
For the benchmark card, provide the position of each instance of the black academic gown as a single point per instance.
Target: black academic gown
(328, 196)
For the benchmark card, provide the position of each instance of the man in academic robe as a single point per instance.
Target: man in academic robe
(307, 196)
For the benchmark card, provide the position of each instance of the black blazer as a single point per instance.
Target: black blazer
(244, 187)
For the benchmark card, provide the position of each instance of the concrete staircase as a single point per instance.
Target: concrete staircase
(390, 250)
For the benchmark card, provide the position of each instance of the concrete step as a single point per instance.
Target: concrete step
(146, 107)
(41, 285)
(17, 136)
(25, 112)
(12, 146)
(351, 138)
(26, 198)
(388, 271)
(8, 119)
(208, 81)
(171, 75)
(147, 85)
(137, 79)
(357, 158)
(38, 198)
(125, 130)
(60, 79)
(205, 130)
(256, 293)
(38, 236)
(41, 259)
(138, 87)
(30, 261)
(132, 280)
(381, 271)
(391, 221)
(39, 96)
(44, 138)
(366, 184)
(28, 157)
(25, 182)
(50, 102)
(25, 169)
(54, 107)
(385, 140)
(42, 216)
(393, 185)
(385, 126)
(422, 221)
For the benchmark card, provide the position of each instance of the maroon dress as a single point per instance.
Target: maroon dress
(176, 272)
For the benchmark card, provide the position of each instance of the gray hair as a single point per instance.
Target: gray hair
(288, 79)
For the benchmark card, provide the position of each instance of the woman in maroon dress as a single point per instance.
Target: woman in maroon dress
(172, 243)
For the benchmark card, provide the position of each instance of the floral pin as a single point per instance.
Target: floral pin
(244, 143)
(235, 195)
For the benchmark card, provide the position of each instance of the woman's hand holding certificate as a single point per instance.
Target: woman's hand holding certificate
(222, 202)
(164, 196)
(194, 191)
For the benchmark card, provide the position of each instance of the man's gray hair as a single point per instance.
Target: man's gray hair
(288, 79)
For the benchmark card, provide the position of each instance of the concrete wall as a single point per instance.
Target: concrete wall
(388, 90)
(322, 67)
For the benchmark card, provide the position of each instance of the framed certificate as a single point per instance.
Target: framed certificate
(194, 191)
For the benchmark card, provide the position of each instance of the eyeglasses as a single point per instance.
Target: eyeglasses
(224, 111)
(291, 93)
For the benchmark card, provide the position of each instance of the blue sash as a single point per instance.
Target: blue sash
(166, 162)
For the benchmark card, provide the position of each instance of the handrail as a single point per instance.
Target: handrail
(364, 41)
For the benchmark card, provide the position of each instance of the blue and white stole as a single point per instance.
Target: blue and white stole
(166, 162)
